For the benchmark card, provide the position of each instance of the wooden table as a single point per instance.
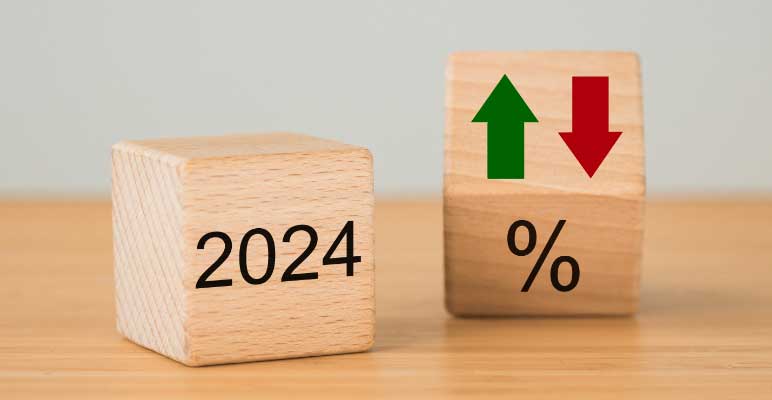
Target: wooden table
(704, 329)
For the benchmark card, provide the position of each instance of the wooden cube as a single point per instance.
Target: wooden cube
(244, 247)
(603, 214)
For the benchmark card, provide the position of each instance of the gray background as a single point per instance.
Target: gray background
(77, 76)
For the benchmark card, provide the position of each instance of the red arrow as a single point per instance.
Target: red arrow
(590, 140)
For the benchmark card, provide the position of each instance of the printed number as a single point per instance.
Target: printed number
(350, 259)
(202, 280)
(288, 274)
(243, 256)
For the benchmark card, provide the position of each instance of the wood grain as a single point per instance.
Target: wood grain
(604, 215)
(704, 330)
(169, 193)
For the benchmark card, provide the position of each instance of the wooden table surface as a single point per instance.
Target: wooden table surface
(704, 329)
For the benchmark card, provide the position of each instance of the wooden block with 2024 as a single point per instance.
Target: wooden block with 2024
(244, 247)
(603, 214)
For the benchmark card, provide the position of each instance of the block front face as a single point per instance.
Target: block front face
(485, 278)
(603, 214)
(323, 311)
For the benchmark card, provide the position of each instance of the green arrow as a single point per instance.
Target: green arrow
(506, 113)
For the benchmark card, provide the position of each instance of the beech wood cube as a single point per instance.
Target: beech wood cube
(244, 247)
(488, 254)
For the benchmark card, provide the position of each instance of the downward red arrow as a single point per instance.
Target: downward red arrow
(590, 140)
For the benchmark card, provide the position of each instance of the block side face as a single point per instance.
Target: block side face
(484, 278)
(147, 246)
(331, 314)
(544, 80)
(240, 145)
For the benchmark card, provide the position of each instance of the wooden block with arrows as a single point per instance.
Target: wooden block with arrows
(544, 183)
(244, 247)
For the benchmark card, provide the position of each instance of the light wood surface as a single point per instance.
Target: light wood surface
(604, 214)
(704, 329)
(262, 203)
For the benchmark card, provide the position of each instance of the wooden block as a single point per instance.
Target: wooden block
(280, 202)
(603, 214)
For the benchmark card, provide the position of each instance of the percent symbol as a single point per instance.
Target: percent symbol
(543, 256)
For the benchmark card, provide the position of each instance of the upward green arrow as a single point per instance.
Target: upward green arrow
(506, 113)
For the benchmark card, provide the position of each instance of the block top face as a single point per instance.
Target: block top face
(544, 80)
(236, 145)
